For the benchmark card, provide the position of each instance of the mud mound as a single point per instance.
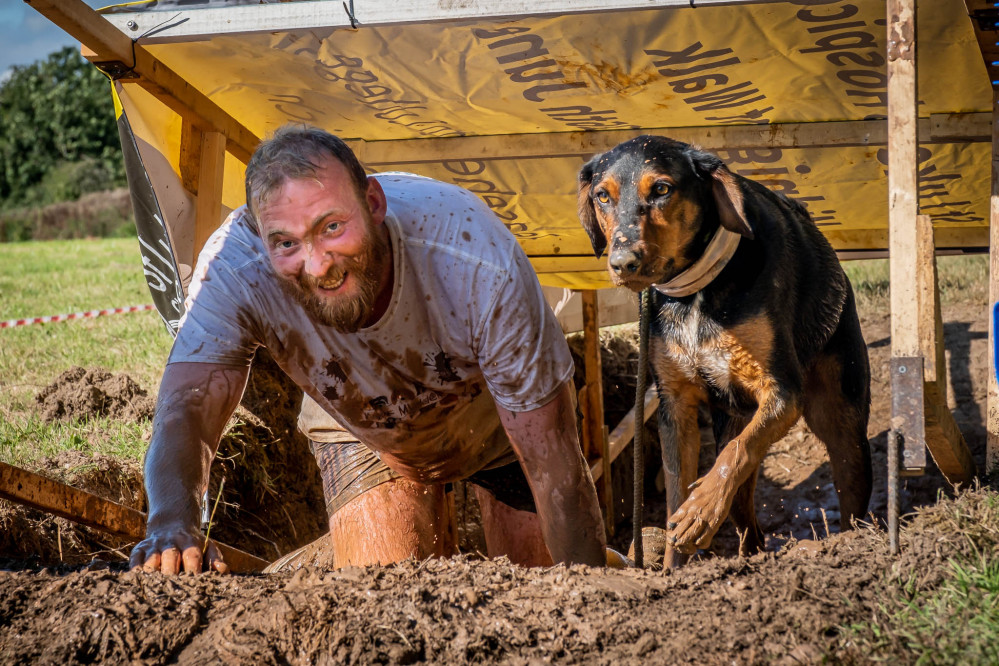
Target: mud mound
(789, 607)
(82, 393)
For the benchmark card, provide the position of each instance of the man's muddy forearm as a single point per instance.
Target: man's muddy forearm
(193, 406)
(546, 441)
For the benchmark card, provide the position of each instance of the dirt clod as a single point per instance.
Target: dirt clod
(81, 393)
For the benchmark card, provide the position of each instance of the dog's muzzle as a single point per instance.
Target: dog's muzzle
(625, 262)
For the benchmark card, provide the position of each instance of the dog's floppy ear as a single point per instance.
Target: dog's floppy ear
(728, 198)
(726, 192)
(587, 215)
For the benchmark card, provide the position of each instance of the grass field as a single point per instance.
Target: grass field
(61, 277)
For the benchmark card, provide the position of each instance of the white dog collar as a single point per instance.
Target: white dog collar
(718, 252)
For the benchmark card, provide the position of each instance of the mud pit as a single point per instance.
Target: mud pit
(785, 606)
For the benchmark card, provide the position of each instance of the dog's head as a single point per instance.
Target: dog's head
(656, 202)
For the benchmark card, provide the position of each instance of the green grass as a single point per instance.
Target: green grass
(960, 278)
(957, 623)
(60, 277)
(950, 619)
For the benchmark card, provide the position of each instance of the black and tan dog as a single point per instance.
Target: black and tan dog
(752, 314)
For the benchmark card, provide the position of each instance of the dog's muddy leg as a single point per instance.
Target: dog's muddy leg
(751, 538)
(841, 424)
(695, 523)
(743, 514)
(681, 443)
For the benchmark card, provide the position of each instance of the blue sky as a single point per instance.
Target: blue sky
(27, 36)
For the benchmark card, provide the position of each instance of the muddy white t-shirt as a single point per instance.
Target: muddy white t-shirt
(467, 324)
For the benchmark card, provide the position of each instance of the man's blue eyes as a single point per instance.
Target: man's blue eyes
(330, 228)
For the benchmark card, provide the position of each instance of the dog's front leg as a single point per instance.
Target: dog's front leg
(680, 439)
(695, 523)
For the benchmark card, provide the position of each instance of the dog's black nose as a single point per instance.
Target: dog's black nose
(624, 262)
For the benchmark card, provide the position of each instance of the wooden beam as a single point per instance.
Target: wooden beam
(942, 128)
(931, 342)
(968, 238)
(943, 438)
(190, 156)
(992, 401)
(596, 437)
(624, 432)
(902, 172)
(903, 205)
(116, 51)
(208, 211)
(40, 492)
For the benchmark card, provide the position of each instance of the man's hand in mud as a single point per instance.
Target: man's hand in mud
(171, 551)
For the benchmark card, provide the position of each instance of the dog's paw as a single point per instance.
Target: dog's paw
(695, 523)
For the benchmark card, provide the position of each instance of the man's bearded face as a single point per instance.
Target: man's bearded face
(332, 254)
(346, 312)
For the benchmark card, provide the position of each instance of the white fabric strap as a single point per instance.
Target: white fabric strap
(718, 252)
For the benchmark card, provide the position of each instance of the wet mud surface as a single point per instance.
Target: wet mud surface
(784, 606)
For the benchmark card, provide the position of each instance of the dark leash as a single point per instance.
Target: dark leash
(638, 488)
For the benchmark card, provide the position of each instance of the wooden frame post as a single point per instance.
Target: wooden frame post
(903, 207)
(595, 432)
(992, 418)
(208, 211)
(943, 438)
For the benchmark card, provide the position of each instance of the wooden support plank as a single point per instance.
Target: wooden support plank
(902, 166)
(624, 432)
(40, 492)
(903, 205)
(594, 423)
(118, 51)
(931, 342)
(940, 128)
(992, 409)
(968, 238)
(190, 156)
(208, 211)
(943, 438)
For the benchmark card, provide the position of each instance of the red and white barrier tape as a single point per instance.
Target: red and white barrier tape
(11, 323)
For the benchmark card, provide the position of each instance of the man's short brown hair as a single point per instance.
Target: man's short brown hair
(296, 151)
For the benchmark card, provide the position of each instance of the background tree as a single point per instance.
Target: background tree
(58, 137)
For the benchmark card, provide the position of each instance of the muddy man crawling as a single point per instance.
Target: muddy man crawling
(413, 322)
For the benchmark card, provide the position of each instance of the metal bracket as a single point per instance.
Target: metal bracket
(116, 70)
(908, 417)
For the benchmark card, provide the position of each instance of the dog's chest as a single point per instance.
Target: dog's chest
(694, 345)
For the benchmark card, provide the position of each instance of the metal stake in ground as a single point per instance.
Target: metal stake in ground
(638, 488)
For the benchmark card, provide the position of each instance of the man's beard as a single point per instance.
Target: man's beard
(346, 314)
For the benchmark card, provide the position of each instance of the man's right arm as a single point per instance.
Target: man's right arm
(194, 404)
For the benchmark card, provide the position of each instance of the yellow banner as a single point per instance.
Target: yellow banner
(637, 71)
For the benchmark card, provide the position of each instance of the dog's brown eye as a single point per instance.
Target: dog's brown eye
(661, 188)
(603, 197)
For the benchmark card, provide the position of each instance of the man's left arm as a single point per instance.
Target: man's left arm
(546, 442)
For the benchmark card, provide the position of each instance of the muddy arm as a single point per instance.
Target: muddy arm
(194, 404)
(547, 444)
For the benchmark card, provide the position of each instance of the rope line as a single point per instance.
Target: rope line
(89, 314)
